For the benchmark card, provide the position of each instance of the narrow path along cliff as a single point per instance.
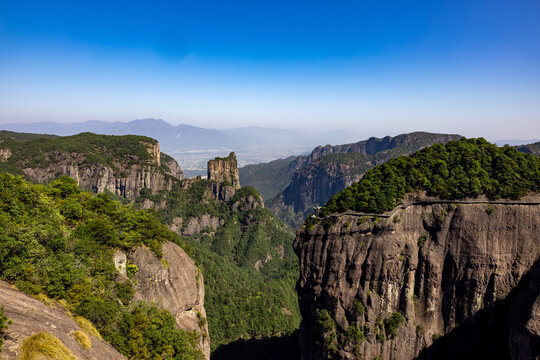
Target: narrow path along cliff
(435, 279)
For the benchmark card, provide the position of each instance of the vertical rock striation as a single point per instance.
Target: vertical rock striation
(123, 178)
(432, 281)
(224, 177)
(224, 170)
(173, 283)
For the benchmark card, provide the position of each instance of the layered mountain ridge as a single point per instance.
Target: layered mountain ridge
(121, 165)
(314, 179)
(429, 256)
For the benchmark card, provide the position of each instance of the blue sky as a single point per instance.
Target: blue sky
(469, 67)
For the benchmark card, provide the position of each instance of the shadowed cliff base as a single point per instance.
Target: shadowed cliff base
(499, 331)
(278, 347)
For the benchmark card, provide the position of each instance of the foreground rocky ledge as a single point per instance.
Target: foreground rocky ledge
(29, 316)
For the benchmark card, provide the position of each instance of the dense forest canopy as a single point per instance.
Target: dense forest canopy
(241, 300)
(58, 241)
(459, 169)
(34, 150)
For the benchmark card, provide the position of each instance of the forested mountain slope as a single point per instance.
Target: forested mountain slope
(272, 177)
(244, 252)
(121, 165)
(449, 270)
(330, 169)
(61, 244)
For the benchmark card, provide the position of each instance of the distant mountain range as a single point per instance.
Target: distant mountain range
(193, 146)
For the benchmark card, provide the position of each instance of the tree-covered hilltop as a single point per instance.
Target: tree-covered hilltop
(40, 151)
(459, 169)
(329, 169)
(246, 258)
(57, 241)
(18, 136)
(533, 148)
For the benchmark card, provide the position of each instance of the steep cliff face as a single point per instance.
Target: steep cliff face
(171, 166)
(431, 281)
(121, 178)
(224, 170)
(375, 145)
(29, 316)
(330, 169)
(175, 284)
(244, 252)
(316, 183)
(122, 165)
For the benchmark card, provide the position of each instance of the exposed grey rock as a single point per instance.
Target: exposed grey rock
(30, 316)
(174, 283)
(197, 225)
(125, 179)
(224, 170)
(5, 154)
(120, 261)
(472, 279)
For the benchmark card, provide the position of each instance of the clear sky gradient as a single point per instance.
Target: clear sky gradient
(375, 67)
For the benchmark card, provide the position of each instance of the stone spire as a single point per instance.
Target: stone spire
(224, 170)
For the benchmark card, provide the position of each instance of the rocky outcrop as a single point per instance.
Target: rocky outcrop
(175, 284)
(30, 316)
(172, 166)
(221, 191)
(5, 154)
(195, 225)
(123, 178)
(224, 170)
(375, 145)
(430, 281)
(330, 169)
(153, 150)
(247, 203)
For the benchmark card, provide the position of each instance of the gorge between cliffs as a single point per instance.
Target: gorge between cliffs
(432, 255)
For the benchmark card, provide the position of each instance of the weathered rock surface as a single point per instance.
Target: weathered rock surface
(174, 283)
(375, 145)
(467, 273)
(316, 184)
(172, 165)
(30, 316)
(224, 170)
(5, 154)
(222, 191)
(195, 225)
(125, 179)
(329, 169)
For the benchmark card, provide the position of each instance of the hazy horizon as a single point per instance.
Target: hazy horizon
(370, 68)
(360, 136)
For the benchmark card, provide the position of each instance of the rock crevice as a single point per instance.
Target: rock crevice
(441, 266)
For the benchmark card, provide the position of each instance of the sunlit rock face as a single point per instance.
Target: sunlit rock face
(173, 283)
(464, 277)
